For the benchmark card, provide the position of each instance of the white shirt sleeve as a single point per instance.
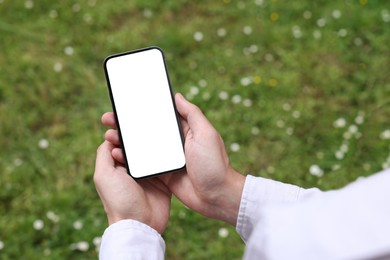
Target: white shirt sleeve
(350, 223)
(130, 239)
(257, 193)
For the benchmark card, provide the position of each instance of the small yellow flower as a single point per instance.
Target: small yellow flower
(272, 82)
(257, 79)
(274, 16)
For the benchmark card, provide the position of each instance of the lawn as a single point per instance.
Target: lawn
(299, 90)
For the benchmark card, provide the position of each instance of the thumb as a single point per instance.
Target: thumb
(104, 158)
(196, 120)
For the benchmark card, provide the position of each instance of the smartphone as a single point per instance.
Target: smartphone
(145, 112)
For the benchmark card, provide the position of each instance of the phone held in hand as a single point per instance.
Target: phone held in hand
(145, 112)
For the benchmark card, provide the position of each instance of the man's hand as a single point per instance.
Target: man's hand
(147, 201)
(210, 185)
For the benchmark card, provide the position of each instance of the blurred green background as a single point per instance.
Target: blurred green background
(299, 90)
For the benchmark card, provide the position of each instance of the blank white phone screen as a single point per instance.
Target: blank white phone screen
(142, 98)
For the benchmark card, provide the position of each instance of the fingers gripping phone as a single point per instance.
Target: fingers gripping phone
(143, 104)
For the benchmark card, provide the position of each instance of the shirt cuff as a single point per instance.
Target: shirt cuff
(257, 192)
(131, 239)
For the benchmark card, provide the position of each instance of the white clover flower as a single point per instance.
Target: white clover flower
(270, 169)
(253, 48)
(358, 41)
(87, 18)
(97, 241)
(1, 245)
(342, 32)
(76, 8)
(198, 36)
(18, 162)
(92, 3)
(69, 50)
(236, 99)
(52, 216)
(336, 14)
(339, 155)
(296, 114)
(255, 130)
(289, 131)
(367, 166)
(247, 30)
(78, 225)
(38, 224)
(347, 135)
(245, 81)
(43, 143)
(317, 34)
(344, 148)
(82, 246)
(259, 2)
(340, 123)
(223, 232)
(307, 14)
(385, 15)
(321, 22)
(385, 135)
(234, 147)
(336, 167)
(247, 102)
(46, 252)
(53, 14)
(269, 57)
(316, 170)
(359, 119)
(194, 90)
(221, 32)
(296, 31)
(280, 123)
(202, 83)
(286, 107)
(223, 95)
(57, 67)
(353, 129)
(147, 13)
(29, 4)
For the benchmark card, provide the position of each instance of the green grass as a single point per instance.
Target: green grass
(272, 76)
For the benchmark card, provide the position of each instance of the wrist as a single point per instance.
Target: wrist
(114, 218)
(227, 205)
